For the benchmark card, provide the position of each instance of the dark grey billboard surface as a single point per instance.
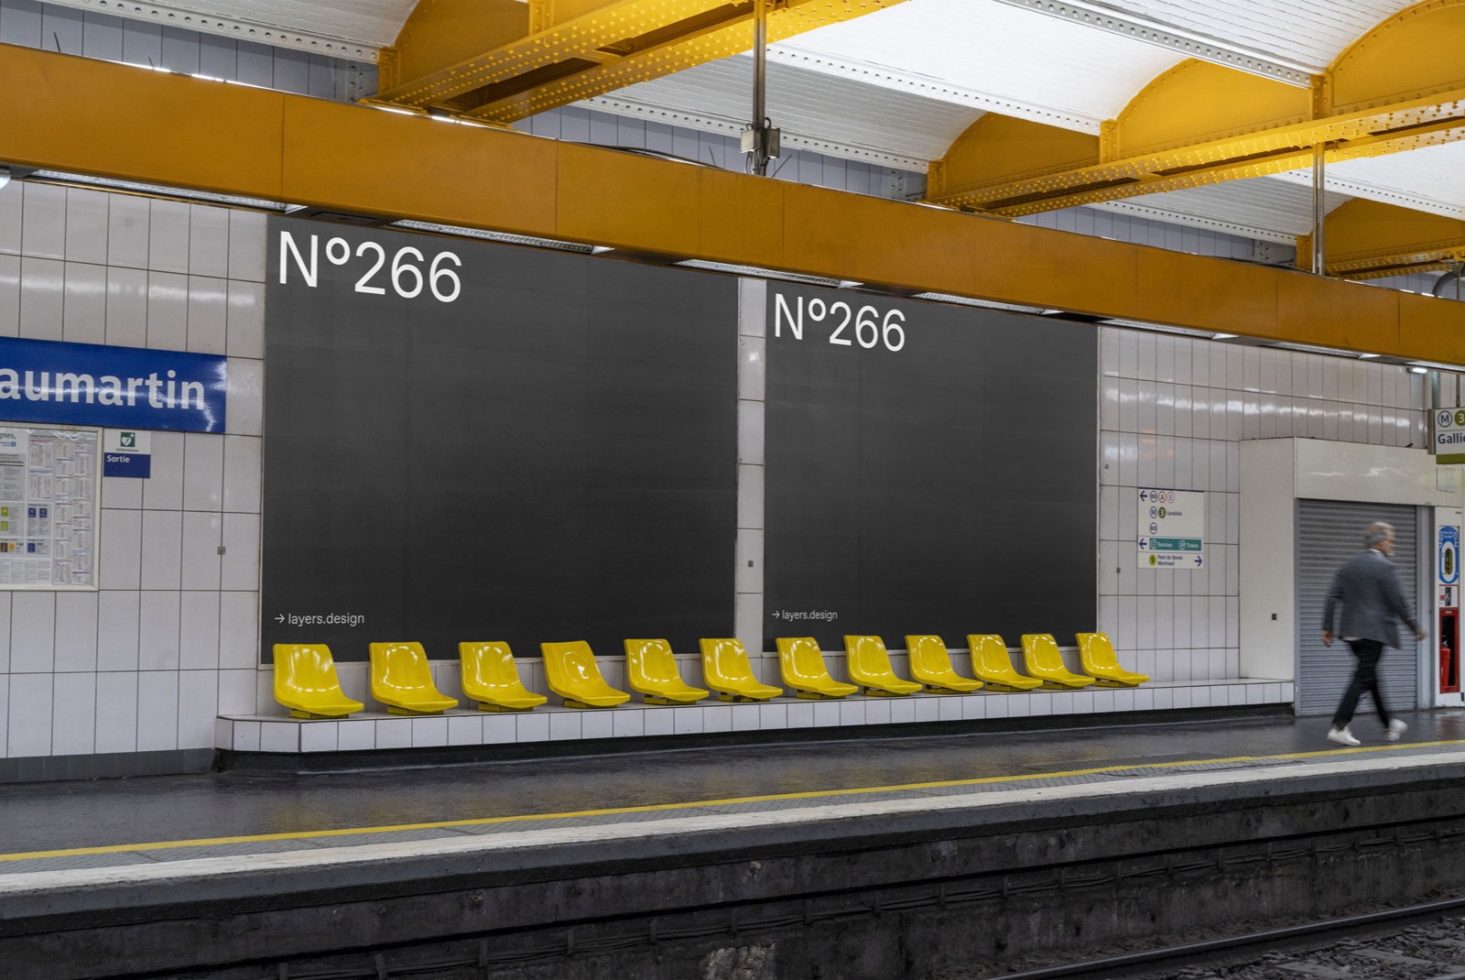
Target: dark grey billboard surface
(471, 441)
(930, 469)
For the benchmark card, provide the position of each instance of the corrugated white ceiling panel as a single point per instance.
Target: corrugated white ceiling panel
(1429, 179)
(810, 105)
(1311, 32)
(1262, 208)
(986, 55)
(364, 25)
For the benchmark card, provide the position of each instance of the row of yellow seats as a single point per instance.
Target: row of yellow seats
(401, 677)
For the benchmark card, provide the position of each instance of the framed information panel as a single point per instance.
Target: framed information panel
(50, 483)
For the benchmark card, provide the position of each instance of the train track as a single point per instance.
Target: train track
(1418, 942)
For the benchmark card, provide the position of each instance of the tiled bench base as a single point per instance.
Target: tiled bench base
(259, 733)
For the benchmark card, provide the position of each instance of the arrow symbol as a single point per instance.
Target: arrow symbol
(1144, 495)
(1198, 560)
(1142, 544)
(280, 618)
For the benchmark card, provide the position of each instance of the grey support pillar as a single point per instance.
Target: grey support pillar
(752, 376)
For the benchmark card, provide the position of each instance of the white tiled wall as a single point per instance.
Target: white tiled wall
(1173, 413)
(170, 639)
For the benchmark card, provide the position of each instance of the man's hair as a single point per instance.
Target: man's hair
(1377, 532)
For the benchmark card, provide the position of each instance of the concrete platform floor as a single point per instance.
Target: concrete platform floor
(163, 811)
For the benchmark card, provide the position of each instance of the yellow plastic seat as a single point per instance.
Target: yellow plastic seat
(802, 664)
(307, 684)
(993, 666)
(572, 673)
(1040, 652)
(1096, 653)
(931, 665)
(651, 671)
(401, 679)
(726, 670)
(491, 679)
(869, 667)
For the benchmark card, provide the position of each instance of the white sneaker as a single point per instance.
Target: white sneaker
(1343, 736)
(1396, 728)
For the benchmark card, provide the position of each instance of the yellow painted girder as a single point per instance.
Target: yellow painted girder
(1367, 239)
(1399, 87)
(120, 122)
(601, 46)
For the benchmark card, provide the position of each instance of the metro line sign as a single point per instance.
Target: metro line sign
(1172, 529)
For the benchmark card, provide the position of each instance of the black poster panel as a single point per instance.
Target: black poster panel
(546, 453)
(930, 469)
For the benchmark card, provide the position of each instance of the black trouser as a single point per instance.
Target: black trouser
(1365, 678)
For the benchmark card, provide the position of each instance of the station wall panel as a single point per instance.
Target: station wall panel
(930, 469)
(551, 455)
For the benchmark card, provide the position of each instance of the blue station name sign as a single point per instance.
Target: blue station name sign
(115, 387)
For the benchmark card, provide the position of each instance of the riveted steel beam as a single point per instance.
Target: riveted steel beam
(602, 46)
(1370, 239)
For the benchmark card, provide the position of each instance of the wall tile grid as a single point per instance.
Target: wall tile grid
(1174, 411)
(93, 34)
(169, 641)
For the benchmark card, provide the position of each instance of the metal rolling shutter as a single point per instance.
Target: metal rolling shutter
(1328, 532)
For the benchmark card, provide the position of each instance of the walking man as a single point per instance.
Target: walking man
(1373, 602)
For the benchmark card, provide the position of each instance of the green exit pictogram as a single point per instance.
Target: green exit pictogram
(129, 440)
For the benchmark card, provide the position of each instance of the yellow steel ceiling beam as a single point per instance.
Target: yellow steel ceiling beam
(1368, 239)
(562, 51)
(1399, 87)
(119, 122)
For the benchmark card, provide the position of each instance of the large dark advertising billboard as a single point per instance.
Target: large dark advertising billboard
(468, 441)
(930, 469)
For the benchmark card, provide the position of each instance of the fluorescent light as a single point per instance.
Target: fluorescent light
(501, 236)
(759, 272)
(1418, 369)
(986, 304)
(157, 190)
(4, 176)
(1222, 336)
(1367, 357)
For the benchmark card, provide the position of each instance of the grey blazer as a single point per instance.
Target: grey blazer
(1373, 602)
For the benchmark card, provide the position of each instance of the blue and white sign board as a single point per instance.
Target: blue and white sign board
(1448, 566)
(117, 387)
(1172, 529)
(127, 453)
(49, 489)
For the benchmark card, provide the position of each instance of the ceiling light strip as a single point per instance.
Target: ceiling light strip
(169, 15)
(1172, 38)
(930, 88)
(154, 190)
(728, 127)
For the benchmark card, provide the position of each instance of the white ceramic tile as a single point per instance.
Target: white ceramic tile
(750, 432)
(167, 311)
(281, 736)
(76, 631)
(320, 736)
(687, 721)
(394, 733)
(28, 715)
(73, 714)
(9, 296)
(116, 711)
(748, 558)
(157, 710)
(163, 490)
(42, 288)
(241, 552)
(801, 714)
(657, 720)
(245, 389)
(241, 474)
(529, 727)
(198, 706)
(236, 692)
(772, 716)
(246, 319)
(201, 562)
(127, 231)
(208, 241)
(127, 307)
(11, 208)
(32, 632)
(752, 368)
(247, 246)
(498, 729)
(162, 549)
(198, 630)
(168, 236)
(84, 305)
(429, 732)
(355, 735)
(117, 630)
(43, 221)
(750, 498)
(948, 708)
(238, 630)
(596, 724)
(158, 630)
(928, 709)
(465, 729)
(207, 314)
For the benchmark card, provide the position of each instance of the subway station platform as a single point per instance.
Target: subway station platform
(152, 875)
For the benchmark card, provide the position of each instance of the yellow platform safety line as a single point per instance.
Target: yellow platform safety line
(697, 804)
